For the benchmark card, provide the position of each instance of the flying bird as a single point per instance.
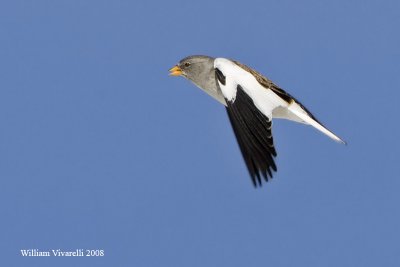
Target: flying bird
(251, 101)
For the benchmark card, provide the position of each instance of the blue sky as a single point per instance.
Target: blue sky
(101, 149)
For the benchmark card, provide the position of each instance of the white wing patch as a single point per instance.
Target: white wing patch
(264, 99)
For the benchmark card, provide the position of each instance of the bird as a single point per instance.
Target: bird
(252, 101)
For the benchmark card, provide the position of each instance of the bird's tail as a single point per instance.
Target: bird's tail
(299, 111)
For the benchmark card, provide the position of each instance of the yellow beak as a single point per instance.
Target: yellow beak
(175, 71)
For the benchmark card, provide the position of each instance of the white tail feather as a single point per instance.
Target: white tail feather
(299, 112)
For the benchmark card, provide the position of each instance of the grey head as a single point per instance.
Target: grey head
(199, 70)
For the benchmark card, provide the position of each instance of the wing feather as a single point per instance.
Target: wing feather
(253, 133)
(249, 107)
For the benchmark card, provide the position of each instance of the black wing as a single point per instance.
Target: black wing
(253, 132)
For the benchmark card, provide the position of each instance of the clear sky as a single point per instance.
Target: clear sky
(101, 149)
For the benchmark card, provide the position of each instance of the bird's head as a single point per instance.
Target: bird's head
(195, 68)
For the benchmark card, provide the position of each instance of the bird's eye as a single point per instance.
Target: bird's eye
(187, 64)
